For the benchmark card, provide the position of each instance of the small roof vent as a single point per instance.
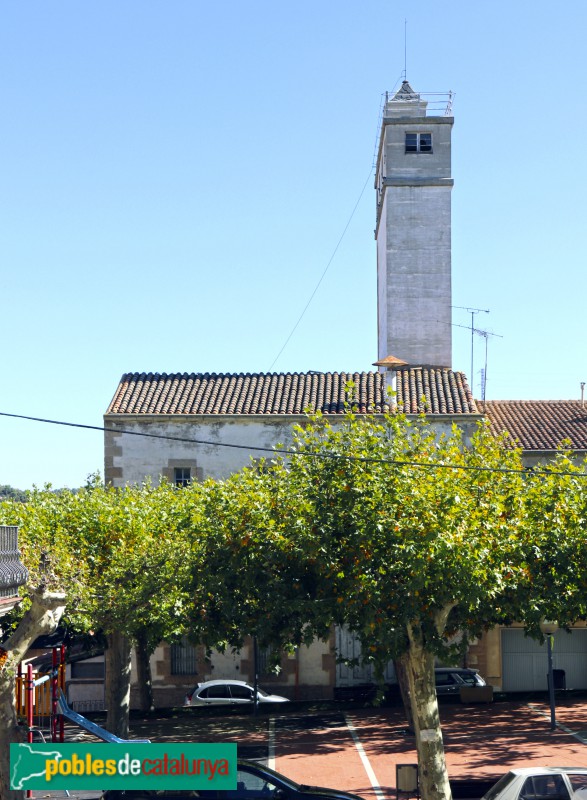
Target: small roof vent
(390, 362)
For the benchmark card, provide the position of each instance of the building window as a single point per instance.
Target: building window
(182, 476)
(87, 669)
(182, 471)
(266, 664)
(184, 659)
(418, 142)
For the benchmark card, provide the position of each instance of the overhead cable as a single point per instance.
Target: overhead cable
(298, 453)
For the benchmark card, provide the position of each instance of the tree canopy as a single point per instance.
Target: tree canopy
(425, 537)
(412, 537)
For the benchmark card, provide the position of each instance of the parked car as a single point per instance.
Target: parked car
(224, 693)
(253, 781)
(449, 680)
(541, 783)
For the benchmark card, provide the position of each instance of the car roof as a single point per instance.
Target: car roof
(455, 669)
(217, 682)
(243, 762)
(546, 770)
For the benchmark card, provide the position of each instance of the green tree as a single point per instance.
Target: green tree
(256, 575)
(10, 493)
(554, 575)
(120, 559)
(418, 539)
(139, 555)
(52, 564)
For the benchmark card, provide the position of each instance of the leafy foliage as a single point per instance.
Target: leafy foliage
(10, 493)
(122, 556)
(405, 522)
(554, 571)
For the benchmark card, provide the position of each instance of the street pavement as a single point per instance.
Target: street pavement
(358, 749)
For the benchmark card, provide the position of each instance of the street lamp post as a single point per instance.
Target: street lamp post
(256, 676)
(549, 628)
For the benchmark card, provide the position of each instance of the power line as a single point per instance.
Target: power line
(302, 453)
(293, 330)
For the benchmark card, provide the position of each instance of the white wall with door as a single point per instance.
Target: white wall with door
(525, 661)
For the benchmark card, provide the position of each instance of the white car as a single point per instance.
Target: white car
(224, 693)
(541, 783)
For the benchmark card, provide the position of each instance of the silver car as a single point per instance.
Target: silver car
(226, 692)
(541, 783)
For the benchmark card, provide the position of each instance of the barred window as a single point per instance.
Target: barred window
(264, 660)
(184, 659)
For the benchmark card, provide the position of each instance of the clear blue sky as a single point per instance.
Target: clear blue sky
(176, 176)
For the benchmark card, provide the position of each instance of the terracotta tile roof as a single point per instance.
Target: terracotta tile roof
(446, 392)
(540, 424)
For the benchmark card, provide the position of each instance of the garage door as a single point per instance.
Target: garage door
(525, 661)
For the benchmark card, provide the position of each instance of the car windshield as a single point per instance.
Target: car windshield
(578, 781)
(501, 784)
(269, 773)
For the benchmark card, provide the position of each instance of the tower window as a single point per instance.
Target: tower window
(418, 142)
(182, 476)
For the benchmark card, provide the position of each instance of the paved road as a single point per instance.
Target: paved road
(358, 749)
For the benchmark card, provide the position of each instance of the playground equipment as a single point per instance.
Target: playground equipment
(36, 698)
(90, 726)
(42, 699)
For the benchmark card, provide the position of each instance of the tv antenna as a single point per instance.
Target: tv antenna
(472, 312)
(485, 335)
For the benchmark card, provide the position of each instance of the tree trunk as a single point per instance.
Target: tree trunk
(118, 660)
(419, 665)
(402, 682)
(144, 676)
(42, 618)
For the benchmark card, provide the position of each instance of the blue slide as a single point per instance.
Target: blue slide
(91, 727)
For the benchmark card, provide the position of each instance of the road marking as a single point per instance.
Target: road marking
(576, 734)
(271, 744)
(366, 763)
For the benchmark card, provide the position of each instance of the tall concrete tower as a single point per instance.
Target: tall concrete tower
(413, 231)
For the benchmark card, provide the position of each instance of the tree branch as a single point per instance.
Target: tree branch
(42, 617)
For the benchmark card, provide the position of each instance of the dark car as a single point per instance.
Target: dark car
(450, 680)
(254, 782)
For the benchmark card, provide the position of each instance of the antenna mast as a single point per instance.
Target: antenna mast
(485, 335)
(472, 312)
(405, 49)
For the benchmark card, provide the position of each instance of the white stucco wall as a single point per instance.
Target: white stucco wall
(130, 459)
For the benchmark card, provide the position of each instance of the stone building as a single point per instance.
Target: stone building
(190, 426)
(413, 228)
